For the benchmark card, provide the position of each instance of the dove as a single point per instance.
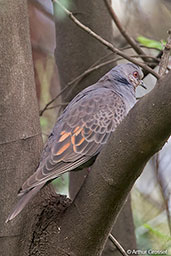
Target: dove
(83, 129)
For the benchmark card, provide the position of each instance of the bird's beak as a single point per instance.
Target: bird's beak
(142, 84)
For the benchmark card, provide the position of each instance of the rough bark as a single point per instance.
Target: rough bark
(82, 229)
(20, 134)
(76, 51)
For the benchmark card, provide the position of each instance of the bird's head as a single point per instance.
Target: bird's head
(128, 74)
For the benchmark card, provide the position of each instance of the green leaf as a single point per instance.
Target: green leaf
(151, 43)
(157, 233)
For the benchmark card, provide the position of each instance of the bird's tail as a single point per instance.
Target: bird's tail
(25, 198)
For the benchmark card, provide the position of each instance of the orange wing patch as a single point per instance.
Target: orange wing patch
(73, 139)
(81, 141)
(61, 150)
(74, 148)
(77, 130)
(62, 133)
(64, 136)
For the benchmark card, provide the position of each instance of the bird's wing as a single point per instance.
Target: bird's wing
(79, 135)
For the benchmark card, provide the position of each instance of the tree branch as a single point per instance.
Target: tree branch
(165, 57)
(103, 41)
(117, 244)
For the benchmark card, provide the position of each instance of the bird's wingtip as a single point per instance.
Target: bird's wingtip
(12, 215)
(25, 198)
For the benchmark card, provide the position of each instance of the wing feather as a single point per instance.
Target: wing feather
(79, 135)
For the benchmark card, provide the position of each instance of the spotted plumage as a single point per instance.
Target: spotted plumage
(83, 128)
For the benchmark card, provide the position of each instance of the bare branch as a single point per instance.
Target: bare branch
(55, 98)
(141, 46)
(103, 41)
(117, 244)
(165, 57)
(62, 104)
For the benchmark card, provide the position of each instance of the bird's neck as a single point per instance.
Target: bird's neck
(127, 94)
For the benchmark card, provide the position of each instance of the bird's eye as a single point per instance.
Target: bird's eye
(135, 74)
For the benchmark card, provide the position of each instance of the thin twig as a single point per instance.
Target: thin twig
(63, 104)
(102, 58)
(148, 56)
(103, 41)
(117, 244)
(141, 46)
(129, 39)
(55, 98)
(165, 57)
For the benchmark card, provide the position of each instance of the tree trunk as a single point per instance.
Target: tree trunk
(20, 134)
